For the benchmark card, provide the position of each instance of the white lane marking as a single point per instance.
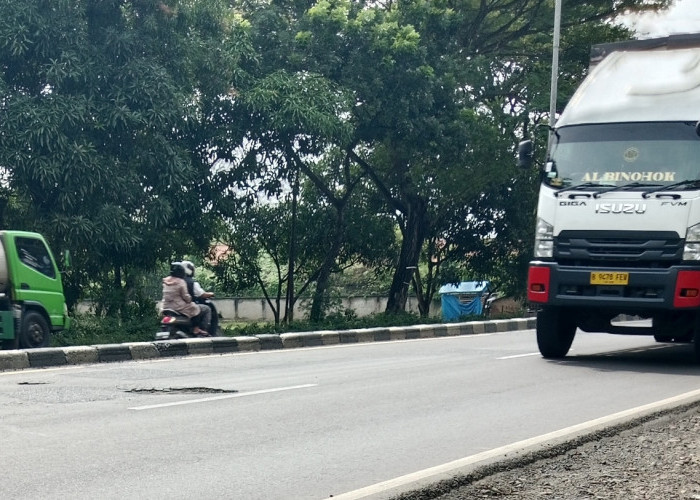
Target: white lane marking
(631, 350)
(18, 430)
(520, 355)
(25, 371)
(223, 396)
(451, 467)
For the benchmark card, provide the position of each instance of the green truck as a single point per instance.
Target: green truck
(32, 305)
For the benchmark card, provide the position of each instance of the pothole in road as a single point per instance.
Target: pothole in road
(183, 390)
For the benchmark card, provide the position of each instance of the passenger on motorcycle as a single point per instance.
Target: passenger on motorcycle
(201, 296)
(177, 298)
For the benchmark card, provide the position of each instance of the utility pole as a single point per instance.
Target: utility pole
(555, 69)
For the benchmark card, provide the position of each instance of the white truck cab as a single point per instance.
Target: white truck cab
(618, 216)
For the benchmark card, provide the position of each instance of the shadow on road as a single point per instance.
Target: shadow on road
(677, 359)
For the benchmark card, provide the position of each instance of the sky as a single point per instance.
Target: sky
(682, 17)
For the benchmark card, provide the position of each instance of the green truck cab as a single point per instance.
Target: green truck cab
(32, 304)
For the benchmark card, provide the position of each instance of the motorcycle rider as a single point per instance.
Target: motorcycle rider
(200, 295)
(177, 298)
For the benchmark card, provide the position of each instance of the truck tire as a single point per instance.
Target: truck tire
(555, 332)
(35, 331)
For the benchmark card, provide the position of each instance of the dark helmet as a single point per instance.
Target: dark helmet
(189, 268)
(177, 269)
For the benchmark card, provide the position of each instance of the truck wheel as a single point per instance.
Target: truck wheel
(35, 331)
(555, 332)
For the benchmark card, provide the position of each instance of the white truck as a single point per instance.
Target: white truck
(618, 216)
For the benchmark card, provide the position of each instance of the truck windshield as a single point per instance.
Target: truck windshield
(635, 155)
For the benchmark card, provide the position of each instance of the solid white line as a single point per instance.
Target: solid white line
(520, 355)
(222, 396)
(451, 467)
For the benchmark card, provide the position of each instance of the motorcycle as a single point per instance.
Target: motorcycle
(174, 326)
(178, 326)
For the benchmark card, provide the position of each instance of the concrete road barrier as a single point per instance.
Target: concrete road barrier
(59, 356)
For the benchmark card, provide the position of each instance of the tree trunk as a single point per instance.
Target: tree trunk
(413, 237)
(274, 306)
(115, 301)
(425, 289)
(423, 304)
(290, 297)
(319, 301)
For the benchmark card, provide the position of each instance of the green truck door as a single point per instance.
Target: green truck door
(35, 277)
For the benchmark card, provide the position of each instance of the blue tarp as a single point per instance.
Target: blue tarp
(463, 299)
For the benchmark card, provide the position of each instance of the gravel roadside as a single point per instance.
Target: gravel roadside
(656, 459)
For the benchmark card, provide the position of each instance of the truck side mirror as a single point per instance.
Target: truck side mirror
(525, 154)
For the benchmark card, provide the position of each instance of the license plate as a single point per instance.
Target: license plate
(609, 278)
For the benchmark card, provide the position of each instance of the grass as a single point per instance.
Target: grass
(88, 329)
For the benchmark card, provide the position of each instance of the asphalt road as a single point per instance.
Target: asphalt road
(310, 423)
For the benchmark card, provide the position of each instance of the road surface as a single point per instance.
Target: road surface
(310, 423)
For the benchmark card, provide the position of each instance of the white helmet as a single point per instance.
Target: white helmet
(189, 268)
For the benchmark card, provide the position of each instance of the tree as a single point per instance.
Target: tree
(259, 254)
(112, 113)
(103, 126)
(428, 131)
(253, 239)
(359, 232)
(410, 128)
(493, 236)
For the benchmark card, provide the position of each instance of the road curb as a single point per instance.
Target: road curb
(60, 356)
(446, 478)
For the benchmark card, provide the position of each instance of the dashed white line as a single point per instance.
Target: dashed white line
(223, 396)
(520, 355)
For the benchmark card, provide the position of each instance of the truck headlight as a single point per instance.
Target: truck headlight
(544, 239)
(691, 251)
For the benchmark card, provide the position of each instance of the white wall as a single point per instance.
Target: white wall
(238, 309)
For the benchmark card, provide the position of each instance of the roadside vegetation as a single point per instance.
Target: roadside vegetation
(89, 329)
(295, 150)
(138, 320)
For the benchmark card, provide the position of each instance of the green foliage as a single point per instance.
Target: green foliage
(257, 231)
(439, 94)
(102, 134)
(89, 329)
(360, 280)
(384, 116)
(426, 144)
(344, 320)
(115, 318)
(139, 324)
